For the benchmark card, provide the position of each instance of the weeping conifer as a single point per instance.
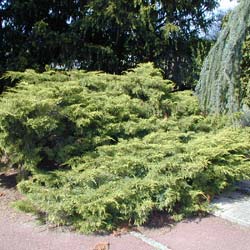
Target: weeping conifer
(219, 88)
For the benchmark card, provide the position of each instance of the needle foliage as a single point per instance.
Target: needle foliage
(220, 89)
(103, 150)
(112, 36)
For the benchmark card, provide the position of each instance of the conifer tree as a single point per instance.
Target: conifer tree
(103, 35)
(220, 89)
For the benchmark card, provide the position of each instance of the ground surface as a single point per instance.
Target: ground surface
(20, 231)
(235, 206)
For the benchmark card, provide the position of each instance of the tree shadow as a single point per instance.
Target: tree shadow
(8, 180)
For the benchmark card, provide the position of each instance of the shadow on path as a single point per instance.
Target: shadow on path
(8, 180)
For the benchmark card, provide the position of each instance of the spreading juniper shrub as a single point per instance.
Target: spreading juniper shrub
(104, 150)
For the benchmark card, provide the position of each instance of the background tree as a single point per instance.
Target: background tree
(220, 88)
(103, 35)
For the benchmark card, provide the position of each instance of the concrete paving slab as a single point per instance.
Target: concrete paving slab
(234, 206)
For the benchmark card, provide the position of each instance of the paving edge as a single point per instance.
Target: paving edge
(157, 245)
(231, 219)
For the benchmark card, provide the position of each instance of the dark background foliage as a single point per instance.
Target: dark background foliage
(104, 35)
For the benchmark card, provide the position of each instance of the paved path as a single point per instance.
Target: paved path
(235, 208)
(19, 231)
(209, 233)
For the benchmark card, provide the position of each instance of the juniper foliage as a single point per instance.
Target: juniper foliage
(103, 149)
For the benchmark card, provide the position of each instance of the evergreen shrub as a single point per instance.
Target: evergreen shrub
(103, 150)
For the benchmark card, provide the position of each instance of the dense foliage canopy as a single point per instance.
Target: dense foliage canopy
(104, 35)
(102, 150)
